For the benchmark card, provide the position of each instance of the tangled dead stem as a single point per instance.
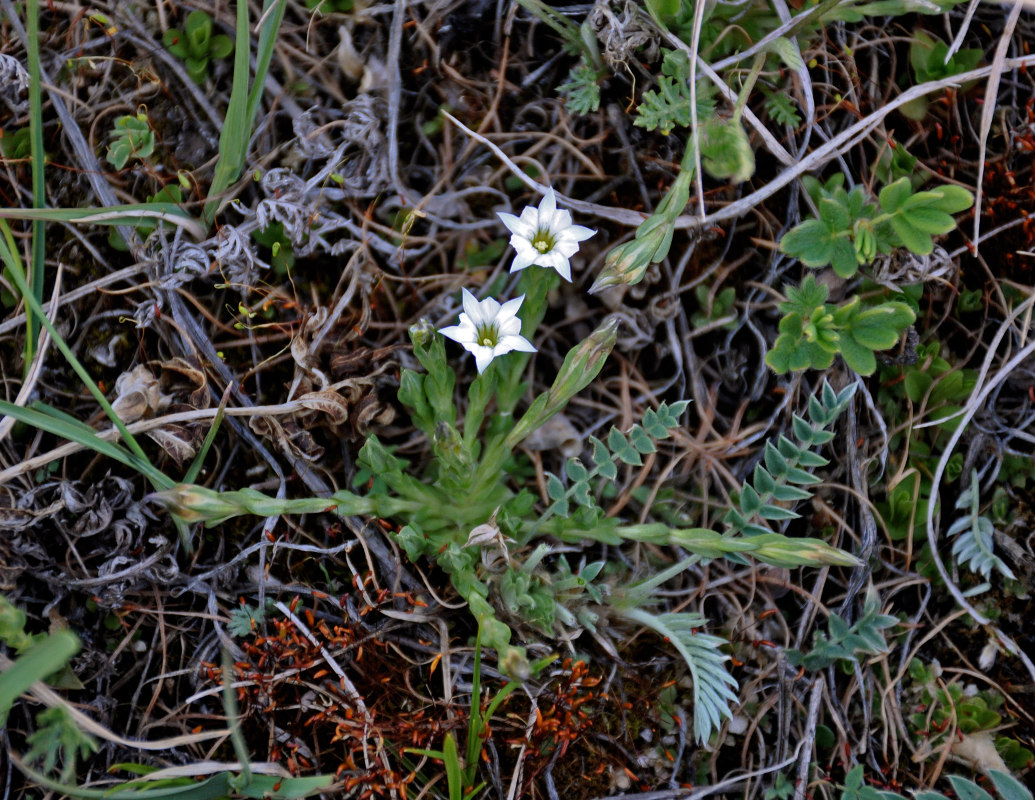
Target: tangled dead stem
(362, 210)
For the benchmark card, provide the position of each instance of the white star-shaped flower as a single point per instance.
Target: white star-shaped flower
(489, 329)
(545, 236)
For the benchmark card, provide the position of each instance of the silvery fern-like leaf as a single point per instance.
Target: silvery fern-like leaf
(974, 536)
(713, 685)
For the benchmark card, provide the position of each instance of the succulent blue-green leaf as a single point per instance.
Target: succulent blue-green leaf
(763, 481)
(968, 790)
(750, 502)
(777, 513)
(641, 441)
(1009, 788)
(789, 494)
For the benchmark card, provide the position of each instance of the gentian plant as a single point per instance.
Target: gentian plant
(505, 550)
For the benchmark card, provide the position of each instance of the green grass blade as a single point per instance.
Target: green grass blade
(39, 196)
(267, 40)
(244, 104)
(130, 214)
(55, 422)
(194, 470)
(233, 139)
(9, 255)
(38, 662)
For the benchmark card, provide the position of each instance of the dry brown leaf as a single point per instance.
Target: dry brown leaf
(330, 403)
(138, 395)
(176, 440)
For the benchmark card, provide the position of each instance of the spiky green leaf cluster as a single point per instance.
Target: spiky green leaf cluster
(844, 642)
(974, 535)
(812, 331)
(582, 91)
(627, 448)
(781, 108)
(668, 107)
(59, 740)
(850, 231)
(786, 466)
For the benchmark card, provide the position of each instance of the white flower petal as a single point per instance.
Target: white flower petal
(509, 327)
(482, 356)
(556, 260)
(458, 333)
(578, 232)
(516, 225)
(472, 307)
(549, 224)
(509, 309)
(548, 207)
(522, 260)
(514, 342)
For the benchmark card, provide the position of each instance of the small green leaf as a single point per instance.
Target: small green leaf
(810, 242)
(914, 240)
(641, 441)
(895, 194)
(554, 487)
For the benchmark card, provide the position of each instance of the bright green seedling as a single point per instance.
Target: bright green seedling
(813, 331)
(850, 231)
(582, 91)
(715, 308)
(944, 710)
(668, 107)
(846, 643)
(927, 57)
(196, 45)
(131, 138)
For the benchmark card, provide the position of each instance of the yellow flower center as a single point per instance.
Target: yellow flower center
(489, 336)
(543, 241)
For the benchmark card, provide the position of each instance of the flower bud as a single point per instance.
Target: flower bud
(422, 333)
(784, 552)
(628, 262)
(191, 503)
(580, 366)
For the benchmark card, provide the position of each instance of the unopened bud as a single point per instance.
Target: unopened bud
(422, 333)
(583, 363)
(784, 552)
(192, 503)
(580, 366)
(627, 263)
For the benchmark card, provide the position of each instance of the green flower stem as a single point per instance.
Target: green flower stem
(478, 396)
(191, 504)
(535, 283)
